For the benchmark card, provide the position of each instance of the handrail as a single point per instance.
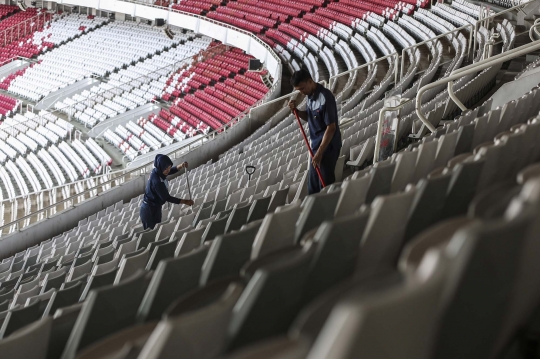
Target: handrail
(471, 33)
(471, 69)
(395, 55)
(295, 93)
(533, 28)
(486, 19)
(15, 58)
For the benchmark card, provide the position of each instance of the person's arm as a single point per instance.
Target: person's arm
(327, 138)
(163, 193)
(330, 119)
(175, 169)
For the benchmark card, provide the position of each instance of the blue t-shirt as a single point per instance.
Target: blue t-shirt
(321, 112)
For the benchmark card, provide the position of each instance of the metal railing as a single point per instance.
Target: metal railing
(471, 69)
(533, 28)
(452, 32)
(295, 93)
(486, 20)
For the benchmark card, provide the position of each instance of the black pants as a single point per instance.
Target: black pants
(150, 215)
(327, 168)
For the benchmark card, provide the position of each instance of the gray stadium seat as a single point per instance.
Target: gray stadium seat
(165, 231)
(404, 172)
(190, 241)
(228, 253)
(336, 252)
(277, 231)
(28, 343)
(316, 209)
(123, 344)
(64, 298)
(213, 229)
(353, 195)
(19, 317)
(428, 203)
(462, 187)
(267, 302)
(63, 322)
(130, 265)
(116, 304)
(480, 297)
(258, 209)
(237, 218)
(98, 280)
(279, 198)
(172, 278)
(161, 252)
(380, 184)
(381, 242)
(200, 333)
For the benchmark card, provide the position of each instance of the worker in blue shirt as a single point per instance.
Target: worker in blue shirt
(157, 191)
(322, 117)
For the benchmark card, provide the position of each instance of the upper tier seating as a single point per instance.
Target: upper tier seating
(133, 86)
(210, 93)
(8, 105)
(7, 10)
(97, 53)
(17, 33)
(62, 28)
(45, 135)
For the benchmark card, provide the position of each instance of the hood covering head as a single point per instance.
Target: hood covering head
(161, 162)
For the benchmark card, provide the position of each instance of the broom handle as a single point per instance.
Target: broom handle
(187, 178)
(308, 146)
(188, 188)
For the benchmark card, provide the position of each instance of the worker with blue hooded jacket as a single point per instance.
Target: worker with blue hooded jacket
(157, 191)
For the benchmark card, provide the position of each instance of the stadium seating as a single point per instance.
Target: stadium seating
(258, 269)
(293, 247)
(18, 28)
(7, 10)
(110, 47)
(8, 105)
(132, 87)
(210, 93)
(36, 151)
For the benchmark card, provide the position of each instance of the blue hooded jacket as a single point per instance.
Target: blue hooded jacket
(157, 188)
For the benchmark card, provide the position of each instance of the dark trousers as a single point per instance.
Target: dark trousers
(327, 168)
(150, 215)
